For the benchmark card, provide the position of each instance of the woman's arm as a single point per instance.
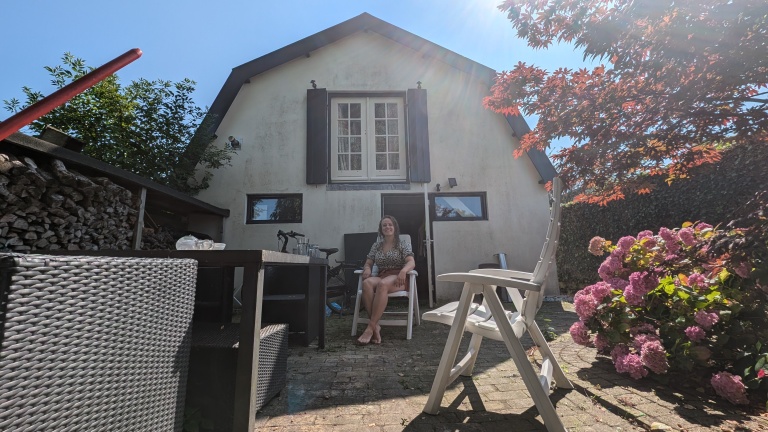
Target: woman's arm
(410, 264)
(367, 268)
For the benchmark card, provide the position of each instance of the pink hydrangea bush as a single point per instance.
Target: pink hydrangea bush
(665, 303)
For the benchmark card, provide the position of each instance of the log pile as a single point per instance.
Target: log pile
(52, 207)
(158, 238)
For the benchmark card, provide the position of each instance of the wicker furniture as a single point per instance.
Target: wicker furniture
(253, 263)
(212, 365)
(94, 343)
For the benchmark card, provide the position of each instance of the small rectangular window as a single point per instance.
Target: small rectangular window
(459, 206)
(264, 209)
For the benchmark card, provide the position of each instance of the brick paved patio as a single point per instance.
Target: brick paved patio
(384, 388)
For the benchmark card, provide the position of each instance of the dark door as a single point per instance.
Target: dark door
(408, 209)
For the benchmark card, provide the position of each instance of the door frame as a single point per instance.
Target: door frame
(415, 204)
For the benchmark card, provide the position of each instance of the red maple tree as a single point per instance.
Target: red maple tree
(681, 78)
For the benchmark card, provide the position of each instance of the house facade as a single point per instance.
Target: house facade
(366, 119)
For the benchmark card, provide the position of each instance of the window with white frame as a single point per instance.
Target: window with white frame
(367, 139)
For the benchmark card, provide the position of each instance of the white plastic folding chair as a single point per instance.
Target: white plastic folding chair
(406, 318)
(484, 321)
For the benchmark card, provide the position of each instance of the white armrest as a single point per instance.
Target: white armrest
(481, 279)
(358, 272)
(504, 273)
(412, 272)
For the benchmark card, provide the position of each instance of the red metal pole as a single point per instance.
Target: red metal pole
(62, 95)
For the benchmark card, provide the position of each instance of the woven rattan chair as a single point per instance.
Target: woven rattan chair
(94, 343)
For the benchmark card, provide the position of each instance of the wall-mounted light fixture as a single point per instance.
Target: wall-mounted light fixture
(437, 187)
(452, 182)
(234, 143)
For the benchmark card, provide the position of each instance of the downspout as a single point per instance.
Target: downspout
(62, 95)
(428, 241)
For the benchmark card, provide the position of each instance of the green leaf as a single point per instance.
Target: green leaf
(760, 363)
(682, 294)
(669, 289)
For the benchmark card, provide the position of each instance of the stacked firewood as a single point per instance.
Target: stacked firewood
(158, 238)
(52, 207)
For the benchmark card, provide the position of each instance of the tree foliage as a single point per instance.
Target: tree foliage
(144, 127)
(682, 78)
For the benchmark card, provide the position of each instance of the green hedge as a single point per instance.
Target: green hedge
(712, 194)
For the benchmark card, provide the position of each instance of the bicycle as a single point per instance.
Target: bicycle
(337, 292)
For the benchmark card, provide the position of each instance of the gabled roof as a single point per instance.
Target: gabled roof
(363, 22)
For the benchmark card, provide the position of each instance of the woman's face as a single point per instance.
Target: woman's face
(387, 227)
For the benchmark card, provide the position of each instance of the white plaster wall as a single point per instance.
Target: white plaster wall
(467, 142)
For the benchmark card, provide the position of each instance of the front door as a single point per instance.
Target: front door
(408, 209)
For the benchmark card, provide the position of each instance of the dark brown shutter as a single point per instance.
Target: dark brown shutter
(317, 136)
(418, 136)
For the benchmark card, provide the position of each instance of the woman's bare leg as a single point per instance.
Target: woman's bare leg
(369, 286)
(380, 300)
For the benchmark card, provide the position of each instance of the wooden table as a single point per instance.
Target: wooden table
(253, 263)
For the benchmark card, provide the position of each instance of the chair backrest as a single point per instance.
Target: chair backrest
(553, 234)
(533, 299)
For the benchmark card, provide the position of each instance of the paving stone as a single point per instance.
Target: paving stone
(384, 388)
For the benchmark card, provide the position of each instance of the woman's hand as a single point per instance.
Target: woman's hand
(366, 273)
(401, 278)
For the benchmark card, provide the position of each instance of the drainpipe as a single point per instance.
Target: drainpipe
(62, 95)
(428, 240)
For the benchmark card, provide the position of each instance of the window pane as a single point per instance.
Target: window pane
(357, 162)
(392, 127)
(394, 143)
(356, 128)
(381, 127)
(457, 207)
(343, 127)
(381, 162)
(378, 110)
(343, 145)
(343, 111)
(381, 144)
(354, 110)
(394, 161)
(272, 208)
(356, 145)
(391, 110)
(344, 162)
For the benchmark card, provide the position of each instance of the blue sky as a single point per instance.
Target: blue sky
(204, 40)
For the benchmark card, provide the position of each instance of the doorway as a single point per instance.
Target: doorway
(408, 209)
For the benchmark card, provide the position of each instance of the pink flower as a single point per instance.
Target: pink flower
(670, 240)
(644, 234)
(702, 226)
(730, 387)
(600, 291)
(619, 350)
(654, 357)
(625, 243)
(617, 284)
(596, 246)
(631, 364)
(760, 373)
(609, 267)
(580, 333)
(695, 333)
(706, 319)
(585, 304)
(602, 343)
(642, 339)
(634, 296)
(687, 236)
(698, 280)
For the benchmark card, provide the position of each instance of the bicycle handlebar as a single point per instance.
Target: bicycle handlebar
(292, 234)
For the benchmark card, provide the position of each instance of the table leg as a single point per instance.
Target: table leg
(248, 352)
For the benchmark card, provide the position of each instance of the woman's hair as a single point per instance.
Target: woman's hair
(397, 228)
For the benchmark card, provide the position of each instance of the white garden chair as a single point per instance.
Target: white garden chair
(483, 321)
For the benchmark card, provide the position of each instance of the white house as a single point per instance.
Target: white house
(365, 119)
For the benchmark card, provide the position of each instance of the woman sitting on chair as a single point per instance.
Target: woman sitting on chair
(394, 260)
